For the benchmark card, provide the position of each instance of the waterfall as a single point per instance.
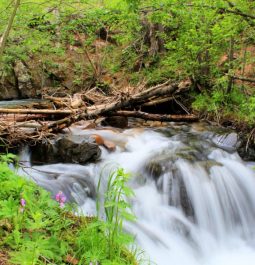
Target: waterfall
(194, 201)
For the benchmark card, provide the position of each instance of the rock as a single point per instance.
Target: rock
(208, 164)
(98, 139)
(199, 126)
(115, 121)
(110, 146)
(178, 195)
(154, 169)
(8, 92)
(228, 142)
(80, 153)
(65, 150)
(247, 154)
(24, 80)
(76, 187)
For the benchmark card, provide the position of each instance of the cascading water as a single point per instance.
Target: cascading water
(194, 202)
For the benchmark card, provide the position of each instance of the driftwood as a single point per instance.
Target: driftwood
(35, 111)
(21, 117)
(154, 117)
(121, 105)
(125, 101)
(158, 101)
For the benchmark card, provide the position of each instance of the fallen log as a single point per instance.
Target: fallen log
(158, 101)
(124, 101)
(165, 89)
(154, 117)
(32, 132)
(21, 117)
(36, 111)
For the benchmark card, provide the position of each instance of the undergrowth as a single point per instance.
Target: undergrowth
(36, 229)
(236, 106)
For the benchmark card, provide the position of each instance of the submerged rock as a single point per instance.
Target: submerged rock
(178, 195)
(66, 150)
(76, 187)
(154, 169)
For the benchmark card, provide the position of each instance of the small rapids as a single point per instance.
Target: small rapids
(194, 202)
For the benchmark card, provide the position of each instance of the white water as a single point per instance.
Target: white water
(219, 225)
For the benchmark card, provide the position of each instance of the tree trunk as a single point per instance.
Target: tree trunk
(8, 28)
(231, 59)
(154, 117)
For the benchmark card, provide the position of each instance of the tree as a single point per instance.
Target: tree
(6, 33)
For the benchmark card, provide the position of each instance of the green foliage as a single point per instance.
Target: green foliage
(196, 37)
(235, 105)
(117, 209)
(37, 231)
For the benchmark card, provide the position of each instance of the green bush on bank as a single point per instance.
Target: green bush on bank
(34, 229)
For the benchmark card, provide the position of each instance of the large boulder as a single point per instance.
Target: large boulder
(66, 150)
(24, 80)
(115, 121)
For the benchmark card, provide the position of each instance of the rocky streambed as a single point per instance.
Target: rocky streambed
(194, 196)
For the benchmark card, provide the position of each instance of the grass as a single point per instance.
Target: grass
(36, 229)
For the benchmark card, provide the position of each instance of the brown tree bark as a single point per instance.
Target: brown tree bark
(36, 111)
(154, 117)
(165, 89)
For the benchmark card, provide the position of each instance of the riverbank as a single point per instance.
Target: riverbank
(37, 227)
(114, 49)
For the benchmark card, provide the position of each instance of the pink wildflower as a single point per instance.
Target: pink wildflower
(61, 198)
(22, 204)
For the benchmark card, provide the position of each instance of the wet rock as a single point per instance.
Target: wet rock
(228, 142)
(65, 150)
(80, 153)
(178, 195)
(115, 121)
(98, 139)
(76, 187)
(154, 169)
(160, 164)
(110, 146)
(247, 154)
(163, 165)
(207, 165)
(191, 154)
(199, 126)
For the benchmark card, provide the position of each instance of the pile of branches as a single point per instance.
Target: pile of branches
(31, 125)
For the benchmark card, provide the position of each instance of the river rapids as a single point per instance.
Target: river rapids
(194, 200)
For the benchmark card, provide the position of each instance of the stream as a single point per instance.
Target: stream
(194, 196)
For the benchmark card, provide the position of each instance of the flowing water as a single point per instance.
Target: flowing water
(194, 201)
